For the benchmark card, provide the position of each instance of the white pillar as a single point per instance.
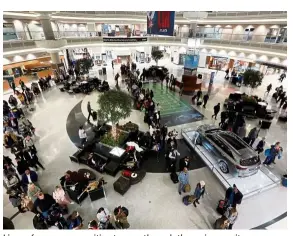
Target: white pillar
(47, 26)
(55, 58)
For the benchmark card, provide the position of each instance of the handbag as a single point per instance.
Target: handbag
(187, 188)
(267, 152)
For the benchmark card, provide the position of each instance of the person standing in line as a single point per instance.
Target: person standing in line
(82, 135)
(89, 109)
(199, 192)
(231, 215)
(183, 180)
(216, 111)
(29, 143)
(29, 177)
(205, 100)
(60, 196)
(184, 162)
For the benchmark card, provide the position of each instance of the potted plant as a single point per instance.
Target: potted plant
(157, 55)
(114, 105)
(84, 65)
(252, 78)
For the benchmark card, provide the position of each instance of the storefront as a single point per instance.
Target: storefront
(268, 68)
(217, 62)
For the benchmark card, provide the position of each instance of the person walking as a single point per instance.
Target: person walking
(216, 111)
(275, 151)
(181, 89)
(233, 196)
(199, 192)
(183, 180)
(82, 135)
(89, 109)
(173, 159)
(260, 146)
(231, 215)
(22, 85)
(269, 88)
(252, 135)
(205, 100)
(116, 79)
(13, 86)
(113, 65)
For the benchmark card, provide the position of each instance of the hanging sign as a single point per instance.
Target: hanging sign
(160, 22)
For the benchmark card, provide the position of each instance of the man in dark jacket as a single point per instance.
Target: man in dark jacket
(216, 111)
(233, 196)
(21, 165)
(29, 177)
(184, 162)
(43, 203)
(89, 109)
(205, 100)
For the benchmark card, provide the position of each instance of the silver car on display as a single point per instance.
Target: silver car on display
(234, 156)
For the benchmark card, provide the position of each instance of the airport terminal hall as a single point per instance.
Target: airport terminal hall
(145, 120)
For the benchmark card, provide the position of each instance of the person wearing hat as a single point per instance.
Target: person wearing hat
(233, 196)
(199, 192)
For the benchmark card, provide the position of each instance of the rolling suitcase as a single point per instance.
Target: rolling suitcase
(174, 177)
(222, 207)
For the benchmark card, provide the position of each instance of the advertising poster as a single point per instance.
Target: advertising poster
(160, 22)
(191, 61)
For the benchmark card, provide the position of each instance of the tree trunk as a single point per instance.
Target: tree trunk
(114, 131)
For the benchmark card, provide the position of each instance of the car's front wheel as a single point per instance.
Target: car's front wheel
(224, 167)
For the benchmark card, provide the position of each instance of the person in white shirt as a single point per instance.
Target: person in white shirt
(173, 159)
(82, 135)
(103, 216)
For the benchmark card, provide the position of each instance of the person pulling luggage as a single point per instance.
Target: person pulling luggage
(183, 180)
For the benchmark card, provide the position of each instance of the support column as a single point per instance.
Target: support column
(47, 27)
(55, 58)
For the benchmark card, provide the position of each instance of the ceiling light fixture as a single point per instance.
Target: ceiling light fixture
(246, 50)
(239, 21)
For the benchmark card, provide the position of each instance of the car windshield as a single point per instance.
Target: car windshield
(233, 142)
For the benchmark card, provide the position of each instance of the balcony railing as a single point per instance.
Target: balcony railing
(39, 35)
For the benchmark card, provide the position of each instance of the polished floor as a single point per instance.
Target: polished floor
(154, 203)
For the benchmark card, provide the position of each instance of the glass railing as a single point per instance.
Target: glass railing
(254, 38)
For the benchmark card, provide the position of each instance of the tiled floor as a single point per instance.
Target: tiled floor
(154, 203)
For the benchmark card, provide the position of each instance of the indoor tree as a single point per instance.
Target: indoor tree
(157, 55)
(114, 105)
(84, 65)
(252, 78)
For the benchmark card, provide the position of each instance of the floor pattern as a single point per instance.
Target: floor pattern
(174, 109)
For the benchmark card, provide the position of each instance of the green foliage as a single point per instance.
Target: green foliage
(157, 55)
(129, 127)
(110, 140)
(252, 78)
(114, 105)
(84, 65)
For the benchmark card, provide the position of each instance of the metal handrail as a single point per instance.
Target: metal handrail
(39, 35)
